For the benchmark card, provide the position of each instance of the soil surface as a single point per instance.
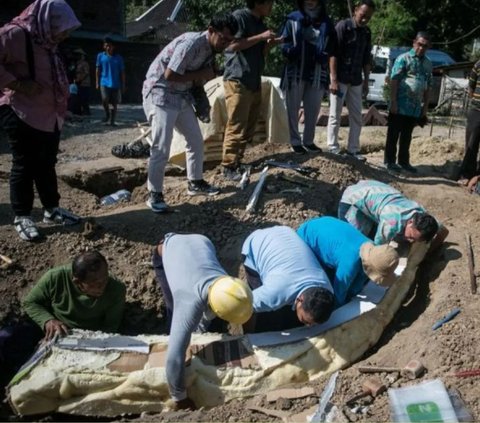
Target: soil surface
(126, 233)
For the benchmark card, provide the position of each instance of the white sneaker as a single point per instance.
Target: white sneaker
(25, 227)
(334, 150)
(357, 156)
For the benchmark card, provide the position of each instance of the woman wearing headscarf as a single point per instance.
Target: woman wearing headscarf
(33, 102)
(309, 41)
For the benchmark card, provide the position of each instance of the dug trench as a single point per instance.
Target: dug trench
(126, 233)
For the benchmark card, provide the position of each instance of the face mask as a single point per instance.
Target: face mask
(313, 12)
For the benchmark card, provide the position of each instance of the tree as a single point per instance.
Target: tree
(451, 24)
(201, 11)
(135, 8)
(392, 25)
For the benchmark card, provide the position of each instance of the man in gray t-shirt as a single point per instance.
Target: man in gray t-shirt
(244, 62)
(167, 101)
(194, 293)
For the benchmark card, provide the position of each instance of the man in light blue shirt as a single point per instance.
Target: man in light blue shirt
(348, 256)
(282, 270)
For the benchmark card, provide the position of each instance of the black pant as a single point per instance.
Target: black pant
(17, 343)
(469, 167)
(34, 155)
(84, 97)
(400, 128)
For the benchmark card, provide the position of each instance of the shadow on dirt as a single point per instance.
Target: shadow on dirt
(417, 298)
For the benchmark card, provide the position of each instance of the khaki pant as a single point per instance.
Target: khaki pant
(243, 108)
(352, 96)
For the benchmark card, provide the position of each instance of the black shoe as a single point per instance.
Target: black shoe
(201, 187)
(232, 173)
(312, 148)
(299, 149)
(156, 202)
(357, 156)
(393, 167)
(409, 168)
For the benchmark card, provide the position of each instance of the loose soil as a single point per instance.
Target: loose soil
(126, 233)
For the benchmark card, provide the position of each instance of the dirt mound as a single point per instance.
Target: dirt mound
(126, 233)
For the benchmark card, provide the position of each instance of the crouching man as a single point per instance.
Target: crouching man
(283, 271)
(195, 293)
(79, 295)
(349, 257)
(384, 214)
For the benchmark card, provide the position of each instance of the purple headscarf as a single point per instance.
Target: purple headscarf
(45, 19)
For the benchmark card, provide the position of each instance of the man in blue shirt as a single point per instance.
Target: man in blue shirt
(110, 79)
(282, 270)
(348, 256)
(410, 82)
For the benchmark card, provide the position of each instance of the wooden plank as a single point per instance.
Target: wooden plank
(275, 413)
(290, 393)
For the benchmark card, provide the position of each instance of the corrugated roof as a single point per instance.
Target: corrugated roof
(157, 20)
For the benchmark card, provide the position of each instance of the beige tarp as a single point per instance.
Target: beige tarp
(110, 382)
(272, 123)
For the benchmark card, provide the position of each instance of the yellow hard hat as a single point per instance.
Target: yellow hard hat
(230, 299)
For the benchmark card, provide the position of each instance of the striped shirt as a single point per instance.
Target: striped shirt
(474, 86)
(373, 202)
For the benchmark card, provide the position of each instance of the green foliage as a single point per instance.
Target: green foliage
(395, 22)
(132, 12)
(392, 25)
(201, 11)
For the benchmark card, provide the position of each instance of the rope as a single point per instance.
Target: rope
(457, 39)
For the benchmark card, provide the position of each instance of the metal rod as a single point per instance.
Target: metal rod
(471, 264)
(252, 202)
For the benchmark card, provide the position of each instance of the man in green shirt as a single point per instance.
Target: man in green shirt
(79, 295)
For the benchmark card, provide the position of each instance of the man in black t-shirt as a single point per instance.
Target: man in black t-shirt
(244, 63)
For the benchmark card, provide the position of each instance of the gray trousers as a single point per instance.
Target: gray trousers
(312, 100)
(352, 95)
(163, 120)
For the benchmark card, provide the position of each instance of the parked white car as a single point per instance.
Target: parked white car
(382, 62)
